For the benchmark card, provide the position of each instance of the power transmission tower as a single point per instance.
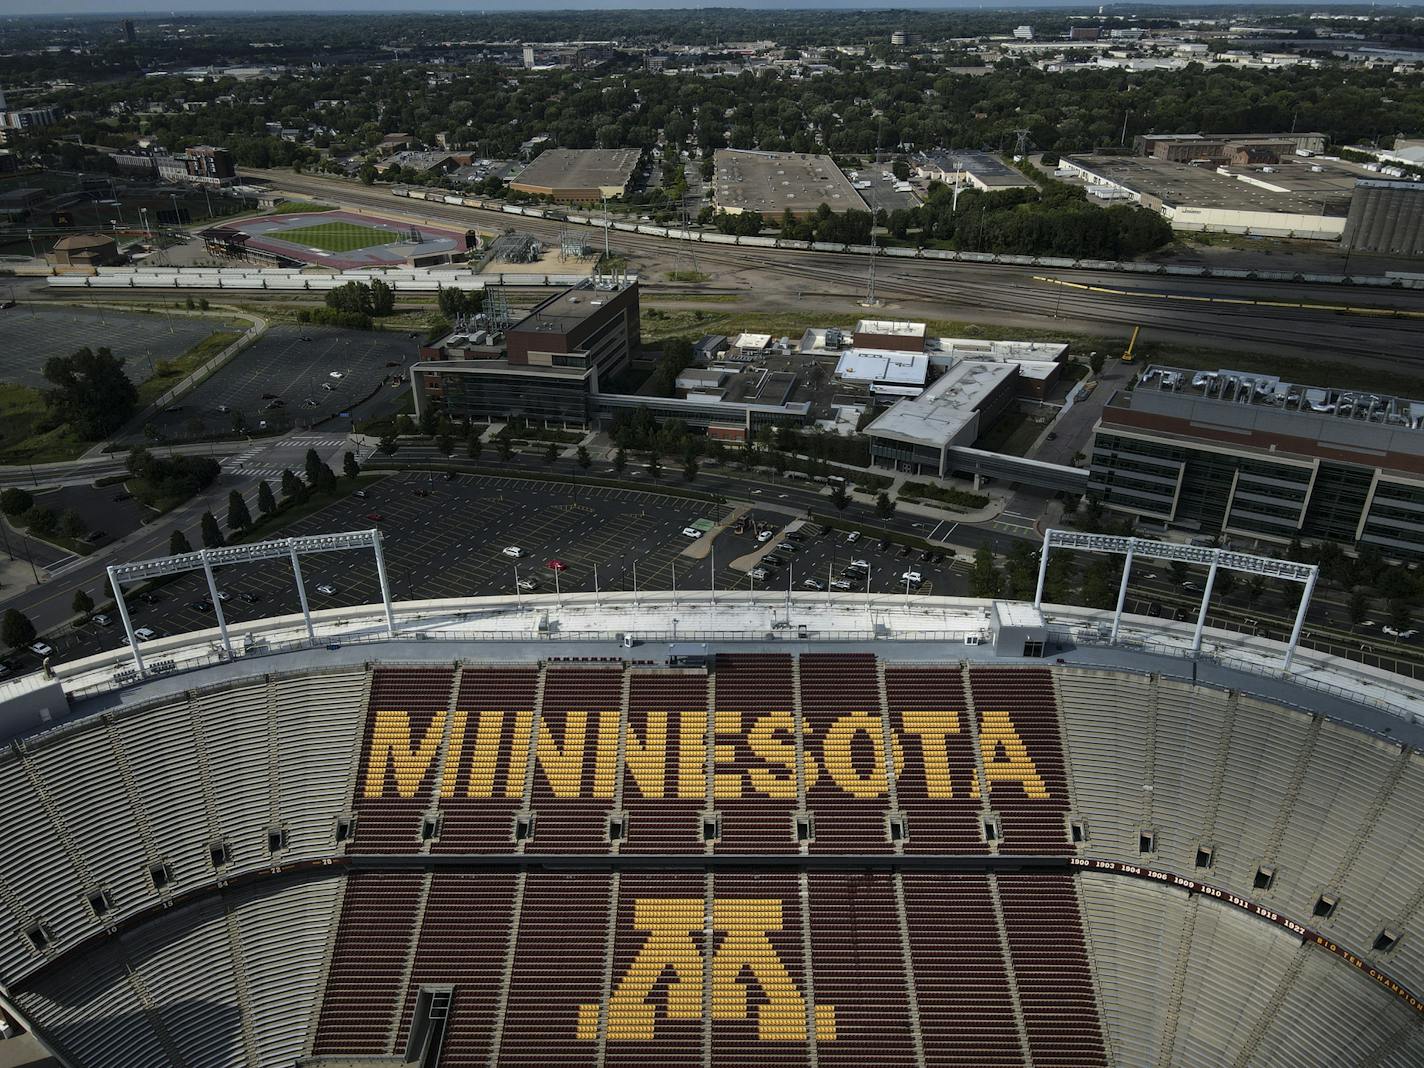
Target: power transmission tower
(1021, 142)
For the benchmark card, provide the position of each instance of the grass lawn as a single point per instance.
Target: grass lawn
(26, 434)
(337, 236)
(168, 373)
(298, 207)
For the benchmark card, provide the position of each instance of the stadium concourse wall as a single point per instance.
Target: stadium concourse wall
(1393, 281)
(294, 280)
(1057, 940)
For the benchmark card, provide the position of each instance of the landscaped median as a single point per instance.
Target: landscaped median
(944, 496)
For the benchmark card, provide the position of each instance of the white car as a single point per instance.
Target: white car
(914, 578)
(336, 374)
(102, 620)
(326, 588)
(145, 634)
(853, 536)
(691, 532)
(527, 585)
(858, 565)
(765, 536)
(40, 649)
(813, 584)
(842, 584)
(1396, 633)
(513, 551)
(758, 573)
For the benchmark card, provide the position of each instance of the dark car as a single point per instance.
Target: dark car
(201, 606)
(905, 551)
(883, 544)
(248, 598)
(122, 497)
(1154, 609)
(269, 396)
(150, 598)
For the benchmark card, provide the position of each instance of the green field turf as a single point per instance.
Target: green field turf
(337, 236)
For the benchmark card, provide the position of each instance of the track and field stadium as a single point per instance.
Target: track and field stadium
(690, 829)
(340, 240)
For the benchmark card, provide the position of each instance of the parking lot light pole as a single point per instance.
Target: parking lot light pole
(518, 596)
(385, 586)
(302, 593)
(123, 608)
(597, 603)
(673, 565)
(217, 601)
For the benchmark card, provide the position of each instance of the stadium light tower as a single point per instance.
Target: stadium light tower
(1213, 559)
(205, 560)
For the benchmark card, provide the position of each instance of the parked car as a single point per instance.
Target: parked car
(914, 578)
(513, 551)
(765, 536)
(842, 585)
(248, 598)
(375, 517)
(759, 573)
(527, 585)
(41, 649)
(853, 536)
(336, 374)
(204, 605)
(813, 584)
(326, 588)
(146, 634)
(691, 532)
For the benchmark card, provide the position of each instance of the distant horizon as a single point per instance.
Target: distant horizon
(122, 8)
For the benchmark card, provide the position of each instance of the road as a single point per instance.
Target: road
(1169, 309)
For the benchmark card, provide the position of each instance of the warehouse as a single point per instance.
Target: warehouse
(773, 183)
(1386, 217)
(1301, 198)
(579, 175)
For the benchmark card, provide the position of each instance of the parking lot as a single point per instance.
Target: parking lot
(285, 380)
(34, 334)
(444, 538)
(883, 194)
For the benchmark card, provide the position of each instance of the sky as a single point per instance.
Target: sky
(203, 7)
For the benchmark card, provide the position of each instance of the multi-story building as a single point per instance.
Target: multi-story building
(1226, 453)
(206, 165)
(551, 364)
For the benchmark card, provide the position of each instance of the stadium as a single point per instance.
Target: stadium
(709, 828)
(340, 240)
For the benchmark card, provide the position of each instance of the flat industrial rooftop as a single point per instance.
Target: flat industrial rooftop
(342, 240)
(774, 182)
(1306, 192)
(579, 169)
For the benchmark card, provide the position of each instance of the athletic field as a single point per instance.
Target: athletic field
(338, 236)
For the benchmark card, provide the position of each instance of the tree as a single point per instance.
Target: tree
(349, 467)
(1357, 607)
(446, 444)
(313, 467)
(1401, 613)
(1225, 583)
(583, 459)
(383, 298)
(292, 488)
(884, 506)
(238, 517)
(984, 579)
(551, 452)
(91, 392)
(42, 521)
(689, 469)
(506, 450)
(473, 445)
(266, 502)
(655, 464)
(1099, 587)
(178, 544)
(212, 534)
(1255, 589)
(620, 460)
(82, 605)
(839, 497)
(72, 525)
(16, 630)
(387, 444)
(15, 501)
(1179, 571)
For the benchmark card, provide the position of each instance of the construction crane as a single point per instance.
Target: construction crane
(1129, 355)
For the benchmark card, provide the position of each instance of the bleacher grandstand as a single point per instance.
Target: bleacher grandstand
(823, 851)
